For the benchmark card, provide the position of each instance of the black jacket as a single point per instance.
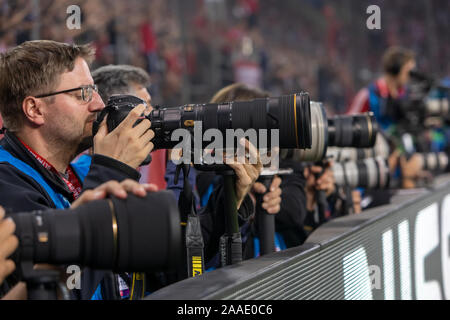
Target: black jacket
(289, 222)
(20, 193)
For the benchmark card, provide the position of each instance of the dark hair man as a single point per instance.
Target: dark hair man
(126, 79)
(48, 102)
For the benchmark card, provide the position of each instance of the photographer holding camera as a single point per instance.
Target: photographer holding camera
(48, 102)
(298, 190)
(129, 80)
(384, 98)
(125, 79)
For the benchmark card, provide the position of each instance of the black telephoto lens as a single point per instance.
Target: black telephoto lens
(358, 131)
(290, 115)
(135, 234)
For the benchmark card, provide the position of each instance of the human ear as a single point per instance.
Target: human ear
(32, 109)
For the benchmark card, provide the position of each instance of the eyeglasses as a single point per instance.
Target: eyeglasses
(86, 92)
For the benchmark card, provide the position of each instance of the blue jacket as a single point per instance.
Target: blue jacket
(25, 185)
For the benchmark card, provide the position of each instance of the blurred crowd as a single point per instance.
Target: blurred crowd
(192, 48)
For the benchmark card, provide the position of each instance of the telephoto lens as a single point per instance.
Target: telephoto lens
(434, 161)
(288, 114)
(359, 131)
(131, 235)
(426, 93)
(319, 136)
(381, 149)
(370, 173)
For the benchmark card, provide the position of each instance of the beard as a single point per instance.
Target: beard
(68, 137)
(87, 141)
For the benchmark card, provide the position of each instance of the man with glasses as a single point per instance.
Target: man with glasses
(48, 103)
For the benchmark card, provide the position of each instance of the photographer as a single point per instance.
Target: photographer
(48, 102)
(130, 80)
(125, 79)
(320, 178)
(384, 98)
(8, 243)
(206, 182)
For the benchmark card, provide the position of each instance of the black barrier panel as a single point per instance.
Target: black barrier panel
(399, 251)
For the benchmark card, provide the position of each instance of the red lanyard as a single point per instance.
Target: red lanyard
(72, 183)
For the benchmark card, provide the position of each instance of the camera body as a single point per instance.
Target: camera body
(425, 106)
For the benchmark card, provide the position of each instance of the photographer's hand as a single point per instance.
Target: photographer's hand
(356, 200)
(272, 200)
(128, 144)
(246, 173)
(116, 189)
(326, 181)
(412, 171)
(8, 244)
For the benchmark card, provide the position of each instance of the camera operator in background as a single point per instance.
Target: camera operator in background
(48, 103)
(321, 178)
(294, 220)
(384, 98)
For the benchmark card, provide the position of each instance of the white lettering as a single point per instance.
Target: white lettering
(74, 280)
(426, 239)
(184, 145)
(216, 145)
(374, 21)
(445, 245)
(74, 20)
(405, 260)
(375, 277)
(388, 265)
(357, 285)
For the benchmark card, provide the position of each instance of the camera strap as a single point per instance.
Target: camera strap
(193, 232)
(137, 290)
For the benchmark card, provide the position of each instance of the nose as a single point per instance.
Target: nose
(96, 105)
